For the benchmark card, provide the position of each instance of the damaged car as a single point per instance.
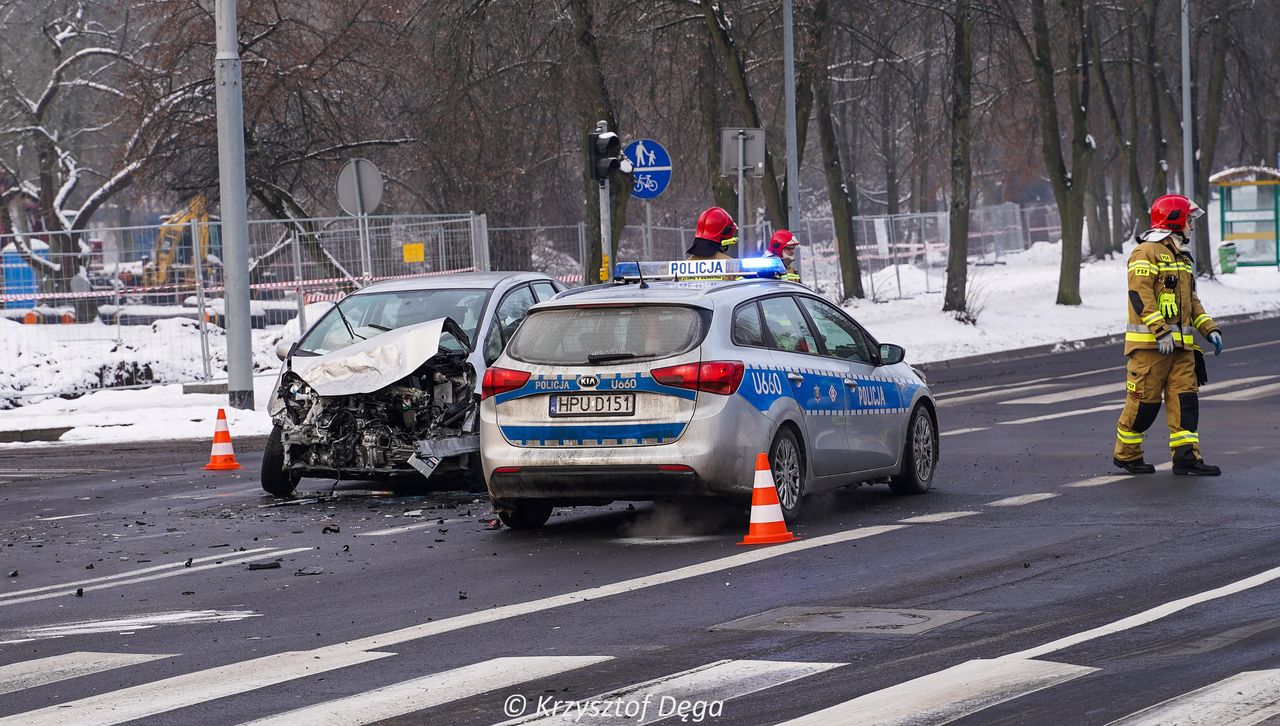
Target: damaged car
(386, 381)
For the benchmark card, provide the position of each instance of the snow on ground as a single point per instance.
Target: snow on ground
(1014, 303)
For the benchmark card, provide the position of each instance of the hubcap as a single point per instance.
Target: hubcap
(786, 474)
(922, 446)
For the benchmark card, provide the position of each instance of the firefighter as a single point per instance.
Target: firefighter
(716, 232)
(1164, 314)
(783, 245)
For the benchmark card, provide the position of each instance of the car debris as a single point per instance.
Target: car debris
(264, 565)
(309, 571)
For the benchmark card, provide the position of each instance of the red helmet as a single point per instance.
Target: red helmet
(1172, 211)
(716, 225)
(781, 240)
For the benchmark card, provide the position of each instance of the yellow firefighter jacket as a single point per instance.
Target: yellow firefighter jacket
(1162, 298)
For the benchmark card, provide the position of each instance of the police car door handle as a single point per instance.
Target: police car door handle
(850, 383)
(795, 378)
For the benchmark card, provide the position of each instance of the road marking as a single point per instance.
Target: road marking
(1247, 698)
(1024, 384)
(29, 473)
(939, 517)
(997, 392)
(412, 527)
(176, 692)
(971, 430)
(947, 695)
(1072, 394)
(127, 624)
(131, 573)
(1151, 615)
(63, 516)
(1234, 348)
(1022, 499)
(1098, 481)
(1246, 394)
(229, 560)
(719, 681)
(433, 690)
(194, 688)
(1063, 414)
(32, 673)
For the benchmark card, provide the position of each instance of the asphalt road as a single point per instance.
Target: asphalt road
(1032, 585)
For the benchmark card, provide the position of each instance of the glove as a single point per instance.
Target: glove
(1168, 305)
(1165, 345)
(1216, 338)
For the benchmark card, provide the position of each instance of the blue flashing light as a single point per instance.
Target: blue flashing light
(625, 270)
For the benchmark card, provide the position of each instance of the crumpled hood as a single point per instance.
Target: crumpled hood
(373, 364)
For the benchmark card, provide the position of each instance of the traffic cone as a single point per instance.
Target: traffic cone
(223, 457)
(767, 524)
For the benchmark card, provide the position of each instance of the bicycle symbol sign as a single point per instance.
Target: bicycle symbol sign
(651, 168)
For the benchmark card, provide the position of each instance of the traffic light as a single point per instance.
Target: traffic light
(604, 153)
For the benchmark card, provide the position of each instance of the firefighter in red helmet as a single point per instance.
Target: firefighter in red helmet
(1164, 360)
(716, 232)
(783, 245)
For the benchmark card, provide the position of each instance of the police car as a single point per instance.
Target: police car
(667, 383)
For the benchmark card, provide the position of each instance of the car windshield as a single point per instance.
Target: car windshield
(606, 335)
(360, 317)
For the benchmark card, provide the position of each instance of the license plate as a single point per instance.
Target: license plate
(593, 404)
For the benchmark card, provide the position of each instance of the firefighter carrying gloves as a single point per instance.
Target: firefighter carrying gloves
(783, 245)
(716, 232)
(1164, 360)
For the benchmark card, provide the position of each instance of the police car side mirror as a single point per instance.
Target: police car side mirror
(891, 354)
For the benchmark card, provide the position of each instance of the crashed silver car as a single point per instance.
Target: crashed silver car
(386, 381)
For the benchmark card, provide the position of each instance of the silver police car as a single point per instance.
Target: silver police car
(666, 385)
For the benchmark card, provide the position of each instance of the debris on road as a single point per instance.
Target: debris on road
(13, 574)
(331, 529)
(79, 592)
(264, 565)
(462, 594)
(187, 563)
(309, 571)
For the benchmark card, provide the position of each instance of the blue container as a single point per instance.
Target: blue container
(19, 278)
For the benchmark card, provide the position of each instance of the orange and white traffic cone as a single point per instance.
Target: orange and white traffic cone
(223, 456)
(767, 524)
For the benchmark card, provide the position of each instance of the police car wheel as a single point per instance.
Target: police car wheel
(275, 480)
(787, 462)
(919, 455)
(523, 513)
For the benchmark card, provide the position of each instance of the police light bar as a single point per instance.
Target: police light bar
(695, 269)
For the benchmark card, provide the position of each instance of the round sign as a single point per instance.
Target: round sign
(359, 187)
(651, 168)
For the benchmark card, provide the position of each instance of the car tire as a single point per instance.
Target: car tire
(275, 480)
(919, 455)
(524, 513)
(786, 460)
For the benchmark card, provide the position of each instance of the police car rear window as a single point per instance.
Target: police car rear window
(607, 335)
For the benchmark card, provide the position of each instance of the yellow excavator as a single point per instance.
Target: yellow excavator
(175, 250)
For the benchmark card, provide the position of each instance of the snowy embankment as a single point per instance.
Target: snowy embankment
(1013, 302)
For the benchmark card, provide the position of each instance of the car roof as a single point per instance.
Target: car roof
(452, 281)
(706, 293)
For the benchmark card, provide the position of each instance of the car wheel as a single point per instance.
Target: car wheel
(787, 462)
(524, 513)
(275, 480)
(919, 455)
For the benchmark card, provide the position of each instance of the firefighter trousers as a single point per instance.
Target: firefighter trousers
(1149, 377)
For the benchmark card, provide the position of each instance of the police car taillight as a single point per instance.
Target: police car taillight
(501, 380)
(719, 377)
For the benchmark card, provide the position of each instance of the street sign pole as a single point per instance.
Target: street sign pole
(742, 160)
(235, 222)
(648, 230)
(606, 226)
(793, 153)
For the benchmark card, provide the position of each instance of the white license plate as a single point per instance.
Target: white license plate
(593, 404)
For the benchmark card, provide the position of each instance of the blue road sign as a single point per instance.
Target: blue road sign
(651, 170)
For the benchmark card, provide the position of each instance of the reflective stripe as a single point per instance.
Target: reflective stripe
(1128, 437)
(1153, 318)
(1182, 438)
(1202, 319)
(1134, 336)
(1136, 264)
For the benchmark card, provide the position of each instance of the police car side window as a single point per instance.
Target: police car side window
(840, 336)
(787, 326)
(746, 326)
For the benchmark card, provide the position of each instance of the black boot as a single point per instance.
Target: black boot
(1135, 466)
(1185, 463)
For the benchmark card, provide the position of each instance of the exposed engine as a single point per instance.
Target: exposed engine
(377, 432)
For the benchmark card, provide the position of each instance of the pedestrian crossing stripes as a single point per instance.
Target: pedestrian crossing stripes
(32, 673)
(1246, 698)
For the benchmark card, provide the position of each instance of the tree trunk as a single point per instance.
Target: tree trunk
(961, 161)
(709, 110)
(889, 144)
(1159, 144)
(1118, 229)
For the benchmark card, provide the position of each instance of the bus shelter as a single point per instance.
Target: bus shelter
(1249, 204)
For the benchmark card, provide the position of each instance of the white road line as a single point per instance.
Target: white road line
(39, 472)
(230, 561)
(1022, 499)
(64, 516)
(947, 695)
(1246, 394)
(433, 690)
(719, 681)
(32, 673)
(131, 623)
(412, 527)
(1073, 394)
(131, 573)
(939, 517)
(168, 694)
(1150, 616)
(1234, 348)
(194, 688)
(997, 392)
(970, 430)
(1063, 414)
(1024, 384)
(1247, 698)
(1098, 481)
